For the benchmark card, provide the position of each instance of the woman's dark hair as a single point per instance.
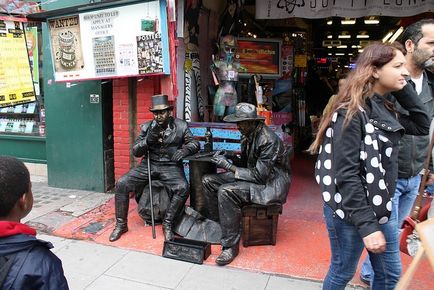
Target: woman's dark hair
(14, 182)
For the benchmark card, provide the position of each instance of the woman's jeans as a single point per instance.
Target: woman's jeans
(406, 192)
(347, 246)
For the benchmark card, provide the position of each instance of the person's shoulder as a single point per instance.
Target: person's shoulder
(268, 134)
(430, 76)
(41, 257)
(144, 126)
(180, 122)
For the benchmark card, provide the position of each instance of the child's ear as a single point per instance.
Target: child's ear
(25, 203)
(22, 202)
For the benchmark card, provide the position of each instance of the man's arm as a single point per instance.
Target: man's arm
(190, 144)
(189, 147)
(140, 146)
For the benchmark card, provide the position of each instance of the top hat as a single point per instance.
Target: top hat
(243, 112)
(159, 103)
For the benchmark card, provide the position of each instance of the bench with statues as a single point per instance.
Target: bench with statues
(259, 221)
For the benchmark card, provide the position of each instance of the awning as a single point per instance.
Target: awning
(43, 16)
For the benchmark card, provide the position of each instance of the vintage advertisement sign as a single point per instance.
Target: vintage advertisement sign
(260, 56)
(277, 9)
(66, 45)
(16, 83)
(123, 41)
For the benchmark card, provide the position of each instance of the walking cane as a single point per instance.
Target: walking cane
(151, 199)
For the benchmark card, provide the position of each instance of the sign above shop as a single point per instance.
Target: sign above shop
(117, 42)
(278, 9)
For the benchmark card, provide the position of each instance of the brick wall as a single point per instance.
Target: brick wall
(121, 133)
(129, 112)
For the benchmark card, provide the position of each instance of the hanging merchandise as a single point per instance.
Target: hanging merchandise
(194, 109)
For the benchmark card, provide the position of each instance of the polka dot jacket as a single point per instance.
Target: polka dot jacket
(357, 165)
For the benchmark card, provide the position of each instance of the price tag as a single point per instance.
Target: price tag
(3, 126)
(18, 108)
(16, 127)
(29, 127)
(31, 108)
(231, 74)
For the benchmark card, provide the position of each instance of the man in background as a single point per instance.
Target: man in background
(418, 40)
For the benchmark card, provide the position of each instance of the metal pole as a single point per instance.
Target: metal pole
(151, 199)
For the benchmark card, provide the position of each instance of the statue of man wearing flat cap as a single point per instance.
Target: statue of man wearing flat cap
(167, 140)
(261, 175)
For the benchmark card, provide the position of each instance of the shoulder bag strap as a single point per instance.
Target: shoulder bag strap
(5, 265)
(417, 206)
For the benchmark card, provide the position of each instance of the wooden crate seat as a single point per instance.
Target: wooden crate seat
(260, 224)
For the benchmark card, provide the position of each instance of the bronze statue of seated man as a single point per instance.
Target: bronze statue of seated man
(166, 140)
(261, 175)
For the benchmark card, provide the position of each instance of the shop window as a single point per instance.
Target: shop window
(27, 118)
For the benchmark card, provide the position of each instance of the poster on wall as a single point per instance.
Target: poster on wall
(123, 41)
(32, 49)
(66, 45)
(16, 83)
(149, 53)
(260, 56)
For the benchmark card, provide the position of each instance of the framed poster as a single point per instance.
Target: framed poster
(260, 56)
(123, 41)
(16, 83)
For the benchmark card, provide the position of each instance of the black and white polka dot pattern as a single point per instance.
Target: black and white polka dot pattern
(375, 151)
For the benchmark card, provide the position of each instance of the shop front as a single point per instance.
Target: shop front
(103, 62)
(22, 114)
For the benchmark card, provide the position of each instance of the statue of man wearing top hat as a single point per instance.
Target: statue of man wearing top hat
(167, 140)
(261, 175)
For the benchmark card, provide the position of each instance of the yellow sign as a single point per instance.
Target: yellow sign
(16, 83)
(300, 60)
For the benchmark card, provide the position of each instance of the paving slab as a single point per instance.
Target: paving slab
(86, 203)
(84, 262)
(106, 282)
(150, 269)
(202, 277)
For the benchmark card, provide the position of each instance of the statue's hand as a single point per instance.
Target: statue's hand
(154, 133)
(179, 154)
(221, 162)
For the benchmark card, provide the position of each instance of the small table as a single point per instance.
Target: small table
(199, 166)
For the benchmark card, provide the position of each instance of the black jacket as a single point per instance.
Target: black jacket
(346, 143)
(34, 267)
(177, 136)
(412, 149)
(265, 165)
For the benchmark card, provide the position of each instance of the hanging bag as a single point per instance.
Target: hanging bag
(409, 240)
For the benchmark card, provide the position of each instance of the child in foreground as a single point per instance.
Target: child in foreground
(25, 261)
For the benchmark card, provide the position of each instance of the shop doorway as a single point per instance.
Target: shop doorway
(108, 151)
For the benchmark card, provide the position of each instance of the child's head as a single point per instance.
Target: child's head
(16, 199)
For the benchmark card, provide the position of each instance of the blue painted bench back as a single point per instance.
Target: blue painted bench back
(225, 137)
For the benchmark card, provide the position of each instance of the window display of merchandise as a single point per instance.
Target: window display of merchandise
(22, 119)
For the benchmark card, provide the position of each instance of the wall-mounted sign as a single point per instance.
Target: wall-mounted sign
(260, 56)
(278, 9)
(124, 41)
(16, 83)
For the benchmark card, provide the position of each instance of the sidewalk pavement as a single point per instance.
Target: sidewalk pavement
(89, 265)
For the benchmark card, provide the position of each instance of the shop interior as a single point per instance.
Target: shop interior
(311, 55)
